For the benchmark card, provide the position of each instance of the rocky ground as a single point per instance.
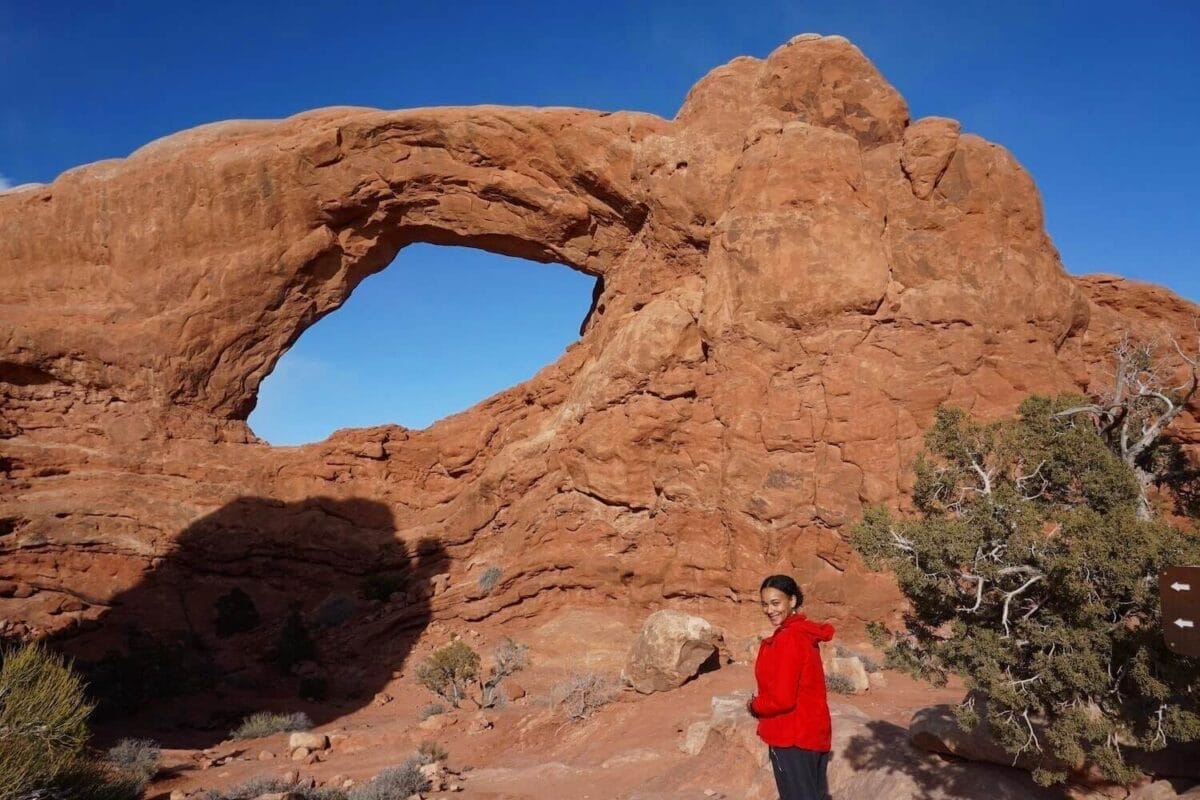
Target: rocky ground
(694, 741)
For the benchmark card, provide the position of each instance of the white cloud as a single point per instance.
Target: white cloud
(4, 183)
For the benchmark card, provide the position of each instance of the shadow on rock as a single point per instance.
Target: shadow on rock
(261, 606)
(883, 751)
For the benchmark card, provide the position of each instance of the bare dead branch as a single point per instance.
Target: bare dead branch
(978, 593)
(1008, 598)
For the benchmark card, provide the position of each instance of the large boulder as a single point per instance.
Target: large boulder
(936, 729)
(670, 650)
(1162, 790)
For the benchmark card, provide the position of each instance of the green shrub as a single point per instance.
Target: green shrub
(136, 759)
(839, 684)
(43, 720)
(448, 670)
(489, 579)
(236, 613)
(432, 710)
(261, 785)
(582, 693)
(393, 783)
(1031, 573)
(88, 779)
(380, 586)
(430, 751)
(508, 658)
(265, 723)
(293, 644)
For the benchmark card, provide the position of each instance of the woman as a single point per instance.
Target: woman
(790, 705)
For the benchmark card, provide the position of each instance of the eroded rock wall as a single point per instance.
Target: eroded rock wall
(794, 276)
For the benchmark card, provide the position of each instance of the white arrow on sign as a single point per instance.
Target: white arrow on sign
(1181, 587)
(1185, 623)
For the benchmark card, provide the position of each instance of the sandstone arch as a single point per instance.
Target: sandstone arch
(223, 243)
(794, 276)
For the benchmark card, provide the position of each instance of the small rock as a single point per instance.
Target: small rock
(730, 707)
(512, 690)
(309, 741)
(710, 792)
(479, 723)
(206, 763)
(300, 753)
(336, 780)
(430, 770)
(178, 794)
(381, 699)
(851, 668)
(371, 450)
(697, 734)
(291, 776)
(266, 755)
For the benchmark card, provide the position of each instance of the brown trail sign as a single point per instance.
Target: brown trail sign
(1179, 591)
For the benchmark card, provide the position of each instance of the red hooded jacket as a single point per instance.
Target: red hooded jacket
(790, 704)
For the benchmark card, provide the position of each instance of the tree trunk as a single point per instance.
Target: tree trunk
(1144, 479)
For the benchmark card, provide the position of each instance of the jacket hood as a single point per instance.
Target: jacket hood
(821, 631)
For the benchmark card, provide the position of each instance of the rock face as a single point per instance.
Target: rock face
(791, 276)
(936, 730)
(671, 649)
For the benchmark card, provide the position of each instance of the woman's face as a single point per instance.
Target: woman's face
(777, 605)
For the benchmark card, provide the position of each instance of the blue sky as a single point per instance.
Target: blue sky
(1099, 100)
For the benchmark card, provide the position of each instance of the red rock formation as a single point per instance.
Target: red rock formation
(794, 276)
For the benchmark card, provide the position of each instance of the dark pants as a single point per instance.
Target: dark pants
(800, 774)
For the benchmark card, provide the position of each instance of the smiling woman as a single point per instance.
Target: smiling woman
(439, 330)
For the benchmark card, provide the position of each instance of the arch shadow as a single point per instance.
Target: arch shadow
(262, 605)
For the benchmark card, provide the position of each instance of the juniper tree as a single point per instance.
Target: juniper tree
(1133, 413)
(1032, 574)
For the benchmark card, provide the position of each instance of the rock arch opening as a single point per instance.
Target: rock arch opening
(437, 331)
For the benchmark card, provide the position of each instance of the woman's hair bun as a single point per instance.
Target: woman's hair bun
(785, 584)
